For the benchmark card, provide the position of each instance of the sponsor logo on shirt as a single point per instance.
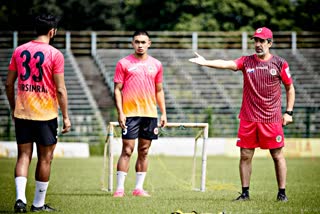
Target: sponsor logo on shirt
(250, 70)
(132, 68)
(262, 67)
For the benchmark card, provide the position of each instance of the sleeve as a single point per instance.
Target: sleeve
(239, 62)
(285, 74)
(159, 76)
(119, 73)
(58, 63)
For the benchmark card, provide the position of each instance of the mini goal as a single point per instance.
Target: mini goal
(109, 156)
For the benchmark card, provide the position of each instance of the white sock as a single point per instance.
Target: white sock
(121, 177)
(140, 179)
(40, 193)
(21, 183)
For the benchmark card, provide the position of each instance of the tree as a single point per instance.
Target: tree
(159, 15)
(19, 15)
(307, 15)
(91, 15)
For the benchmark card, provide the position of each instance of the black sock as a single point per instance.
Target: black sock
(245, 190)
(282, 191)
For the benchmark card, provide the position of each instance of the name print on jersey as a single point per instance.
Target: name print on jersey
(32, 88)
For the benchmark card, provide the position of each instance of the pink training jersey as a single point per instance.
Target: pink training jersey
(261, 101)
(36, 63)
(139, 79)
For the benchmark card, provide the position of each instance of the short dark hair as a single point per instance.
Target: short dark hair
(45, 22)
(140, 32)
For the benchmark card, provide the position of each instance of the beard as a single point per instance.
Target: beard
(260, 52)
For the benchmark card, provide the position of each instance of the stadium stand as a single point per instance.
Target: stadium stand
(304, 65)
(87, 123)
(200, 94)
(193, 93)
(6, 126)
(97, 86)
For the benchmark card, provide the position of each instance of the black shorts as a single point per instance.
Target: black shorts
(42, 132)
(142, 127)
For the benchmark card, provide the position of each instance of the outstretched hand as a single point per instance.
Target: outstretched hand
(200, 60)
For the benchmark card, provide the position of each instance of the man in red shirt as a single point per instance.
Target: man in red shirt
(260, 116)
(39, 68)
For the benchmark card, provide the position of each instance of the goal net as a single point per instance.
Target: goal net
(198, 130)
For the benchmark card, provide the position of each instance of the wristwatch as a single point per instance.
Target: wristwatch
(289, 112)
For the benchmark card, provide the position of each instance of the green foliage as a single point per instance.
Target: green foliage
(159, 15)
(93, 15)
(307, 14)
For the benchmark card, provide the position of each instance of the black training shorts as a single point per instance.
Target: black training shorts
(42, 132)
(142, 127)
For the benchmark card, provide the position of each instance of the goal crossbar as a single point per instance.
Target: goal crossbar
(108, 153)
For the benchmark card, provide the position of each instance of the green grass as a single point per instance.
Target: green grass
(75, 187)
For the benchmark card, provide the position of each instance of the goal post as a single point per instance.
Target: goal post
(108, 155)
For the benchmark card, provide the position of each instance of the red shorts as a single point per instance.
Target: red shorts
(264, 135)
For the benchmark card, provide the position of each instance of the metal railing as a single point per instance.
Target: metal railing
(87, 42)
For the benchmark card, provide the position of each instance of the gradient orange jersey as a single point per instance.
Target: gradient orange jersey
(139, 79)
(36, 63)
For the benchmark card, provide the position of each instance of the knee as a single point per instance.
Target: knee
(143, 151)
(245, 156)
(24, 158)
(127, 152)
(46, 159)
(277, 155)
(278, 158)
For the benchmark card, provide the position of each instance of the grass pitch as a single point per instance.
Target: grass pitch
(75, 187)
